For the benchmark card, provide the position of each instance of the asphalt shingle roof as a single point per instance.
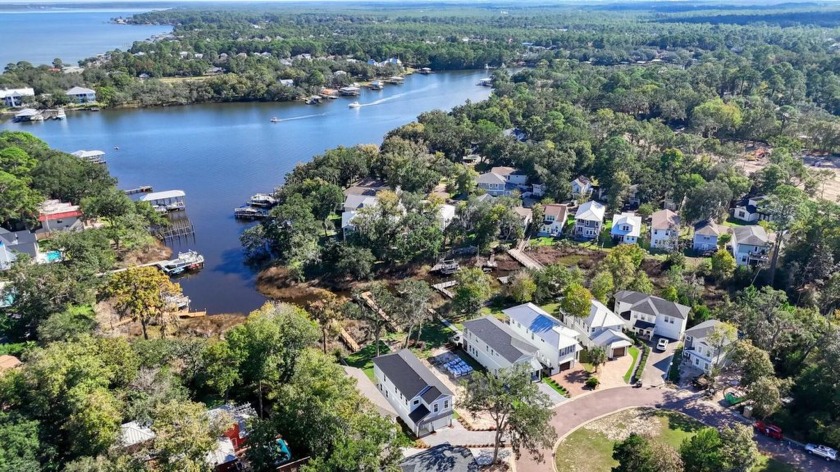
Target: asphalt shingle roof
(500, 338)
(650, 305)
(408, 374)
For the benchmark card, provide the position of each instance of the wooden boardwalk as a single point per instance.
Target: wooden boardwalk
(518, 254)
(444, 287)
(368, 299)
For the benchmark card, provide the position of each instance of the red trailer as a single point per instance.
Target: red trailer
(769, 430)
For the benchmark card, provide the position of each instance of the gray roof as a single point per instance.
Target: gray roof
(753, 235)
(664, 219)
(500, 338)
(441, 458)
(409, 375)
(490, 178)
(591, 211)
(708, 228)
(703, 329)
(20, 241)
(80, 91)
(650, 305)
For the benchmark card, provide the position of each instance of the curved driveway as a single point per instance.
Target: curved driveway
(579, 411)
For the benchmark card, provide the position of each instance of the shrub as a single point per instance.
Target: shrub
(640, 368)
(592, 382)
(674, 371)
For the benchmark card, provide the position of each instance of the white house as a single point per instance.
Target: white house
(496, 347)
(511, 174)
(750, 245)
(664, 230)
(558, 345)
(81, 95)
(357, 202)
(701, 353)
(581, 186)
(626, 228)
(589, 219)
(287, 82)
(706, 234)
(650, 316)
(748, 210)
(13, 243)
(554, 220)
(422, 401)
(13, 98)
(446, 215)
(601, 328)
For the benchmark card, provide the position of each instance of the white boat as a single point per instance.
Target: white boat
(186, 261)
(355, 105)
(275, 120)
(262, 200)
(176, 206)
(249, 213)
(60, 115)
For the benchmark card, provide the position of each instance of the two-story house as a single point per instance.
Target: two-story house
(422, 401)
(81, 95)
(589, 219)
(13, 243)
(706, 234)
(664, 230)
(511, 174)
(501, 181)
(446, 215)
(13, 98)
(554, 220)
(626, 228)
(558, 346)
(526, 216)
(497, 347)
(601, 327)
(699, 351)
(750, 245)
(649, 316)
(581, 187)
(749, 210)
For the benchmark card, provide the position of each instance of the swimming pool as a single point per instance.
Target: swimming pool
(53, 256)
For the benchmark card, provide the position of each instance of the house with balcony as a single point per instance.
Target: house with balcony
(706, 235)
(649, 316)
(554, 220)
(13, 98)
(557, 346)
(751, 245)
(422, 401)
(81, 95)
(626, 228)
(700, 352)
(497, 347)
(601, 328)
(581, 187)
(664, 230)
(589, 219)
(749, 210)
(502, 181)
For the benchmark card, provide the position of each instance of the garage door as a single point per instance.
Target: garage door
(619, 351)
(566, 366)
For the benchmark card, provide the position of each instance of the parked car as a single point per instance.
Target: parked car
(825, 452)
(662, 344)
(769, 430)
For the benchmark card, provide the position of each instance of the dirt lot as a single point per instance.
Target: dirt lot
(830, 190)
(579, 256)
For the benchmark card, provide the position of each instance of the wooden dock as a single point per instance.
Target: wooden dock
(138, 190)
(368, 299)
(444, 287)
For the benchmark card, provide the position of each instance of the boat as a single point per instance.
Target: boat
(247, 212)
(275, 120)
(94, 109)
(263, 200)
(186, 261)
(60, 115)
(176, 206)
(425, 71)
(355, 105)
(376, 85)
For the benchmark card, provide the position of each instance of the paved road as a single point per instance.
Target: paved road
(578, 411)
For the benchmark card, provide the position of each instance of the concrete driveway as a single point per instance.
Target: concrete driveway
(658, 363)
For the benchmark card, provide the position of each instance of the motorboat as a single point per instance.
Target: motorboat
(262, 200)
(186, 261)
(355, 105)
(275, 120)
(248, 212)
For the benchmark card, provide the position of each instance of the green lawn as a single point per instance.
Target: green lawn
(590, 449)
(551, 308)
(634, 353)
(542, 241)
(363, 359)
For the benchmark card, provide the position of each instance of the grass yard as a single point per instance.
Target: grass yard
(363, 358)
(634, 353)
(590, 447)
(541, 241)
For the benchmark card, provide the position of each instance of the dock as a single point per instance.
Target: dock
(95, 156)
(446, 267)
(369, 301)
(444, 287)
(139, 190)
(180, 227)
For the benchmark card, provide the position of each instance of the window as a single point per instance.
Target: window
(416, 402)
(446, 403)
(436, 407)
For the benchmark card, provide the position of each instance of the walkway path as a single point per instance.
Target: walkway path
(581, 410)
(519, 255)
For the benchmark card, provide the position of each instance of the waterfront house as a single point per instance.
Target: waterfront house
(581, 187)
(750, 245)
(626, 228)
(706, 234)
(357, 202)
(13, 243)
(748, 210)
(422, 401)
(557, 345)
(601, 327)
(554, 220)
(699, 351)
(441, 458)
(13, 98)
(526, 215)
(81, 95)
(55, 215)
(497, 347)
(589, 219)
(664, 230)
(649, 316)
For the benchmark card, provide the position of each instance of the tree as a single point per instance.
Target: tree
(702, 453)
(716, 115)
(517, 407)
(68, 325)
(140, 293)
(576, 301)
(723, 265)
(666, 458)
(95, 421)
(785, 205)
(326, 199)
(708, 201)
(753, 362)
(623, 263)
(327, 313)
(634, 454)
(361, 311)
(739, 452)
(766, 395)
(19, 444)
(597, 356)
(721, 337)
(472, 291)
(17, 200)
(602, 286)
(522, 287)
(415, 297)
(184, 435)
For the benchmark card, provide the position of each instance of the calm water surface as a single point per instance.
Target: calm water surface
(221, 154)
(71, 35)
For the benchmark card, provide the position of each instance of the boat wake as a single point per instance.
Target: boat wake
(399, 95)
(302, 117)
